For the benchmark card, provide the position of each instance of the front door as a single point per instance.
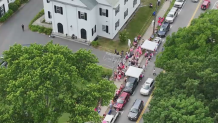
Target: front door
(60, 28)
(83, 34)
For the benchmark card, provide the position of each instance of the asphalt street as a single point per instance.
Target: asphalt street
(185, 15)
(11, 33)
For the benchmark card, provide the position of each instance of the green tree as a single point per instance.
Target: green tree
(43, 82)
(123, 36)
(190, 61)
(178, 109)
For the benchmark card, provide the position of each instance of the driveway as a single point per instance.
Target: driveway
(11, 33)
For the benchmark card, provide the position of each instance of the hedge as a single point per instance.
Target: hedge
(40, 29)
(13, 7)
(6, 15)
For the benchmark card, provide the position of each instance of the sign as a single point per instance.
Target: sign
(129, 43)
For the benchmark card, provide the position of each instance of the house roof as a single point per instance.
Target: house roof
(89, 3)
(112, 2)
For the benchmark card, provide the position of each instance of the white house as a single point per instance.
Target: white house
(3, 7)
(88, 19)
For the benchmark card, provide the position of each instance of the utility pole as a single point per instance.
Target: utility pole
(155, 17)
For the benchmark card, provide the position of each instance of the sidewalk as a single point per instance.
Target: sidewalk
(147, 35)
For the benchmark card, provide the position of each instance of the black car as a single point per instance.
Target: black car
(131, 85)
(163, 29)
(136, 110)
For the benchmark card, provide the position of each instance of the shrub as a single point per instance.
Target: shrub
(95, 43)
(6, 16)
(13, 6)
(39, 29)
(18, 3)
(106, 72)
(123, 36)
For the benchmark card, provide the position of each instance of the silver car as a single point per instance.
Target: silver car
(171, 16)
(179, 3)
(147, 86)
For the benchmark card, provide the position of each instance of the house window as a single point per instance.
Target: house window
(103, 12)
(8, 1)
(125, 13)
(134, 3)
(117, 10)
(125, 2)
(49, 14)
(58, 9)
(48, 1)
(117, 24)
(105, 28)
(2, 10)
(82, 15)
(93, 30)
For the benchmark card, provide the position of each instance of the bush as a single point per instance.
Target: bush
(6, 16)
(106, 72)
(123, 36)
(39, 29)
(13, 6)
(95, 43)
(17, 2)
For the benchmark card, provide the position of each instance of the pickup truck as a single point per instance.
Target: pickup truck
(111, 118)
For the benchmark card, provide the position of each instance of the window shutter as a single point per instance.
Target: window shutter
(4, 8)
(79, 14)
(55, 9)
(106, 13)
(106, 29)
(85, 16)
(100, 10)
(92, 32)
(61, 10)
(49, 15)
(95, 28)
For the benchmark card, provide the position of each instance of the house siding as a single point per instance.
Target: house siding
(73, 25)
(5, 3)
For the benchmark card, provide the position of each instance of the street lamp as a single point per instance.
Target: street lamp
(157, 3)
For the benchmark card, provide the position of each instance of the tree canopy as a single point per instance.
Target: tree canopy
(43, 82)
(187, 92)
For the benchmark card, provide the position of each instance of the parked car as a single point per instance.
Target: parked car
(205, 5)
(147, 87)
(163, 29)
(136, 110)
(179, 3)
(195, 1)
(3, 63)
(121, 101)
(171, 16)
(111, 118)
(131, 85)
(158, 40)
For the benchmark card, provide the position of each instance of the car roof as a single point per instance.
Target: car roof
(173, 9)
(131, 79)
(123, 94)
(108, 117)
(165, 24)
(205, 2)
(149, 81)
(137, 103)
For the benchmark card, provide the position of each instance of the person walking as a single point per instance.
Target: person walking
(154, 73)
(22, 27)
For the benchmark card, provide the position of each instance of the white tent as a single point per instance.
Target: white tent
(133, 72)
(149, 45)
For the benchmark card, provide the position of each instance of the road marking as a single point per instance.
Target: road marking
(149, 99)
(215, 6)
(146, 105)
(194, 13)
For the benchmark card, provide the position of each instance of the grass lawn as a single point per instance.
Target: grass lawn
(137, 26)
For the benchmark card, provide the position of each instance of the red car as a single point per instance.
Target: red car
(205, 5)
(121, 101)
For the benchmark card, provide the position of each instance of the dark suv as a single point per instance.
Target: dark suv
(136, 110)
(131, 85)
(2, 62)
(163, 29)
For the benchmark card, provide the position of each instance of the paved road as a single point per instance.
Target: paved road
(182, 20)
(11, 32)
